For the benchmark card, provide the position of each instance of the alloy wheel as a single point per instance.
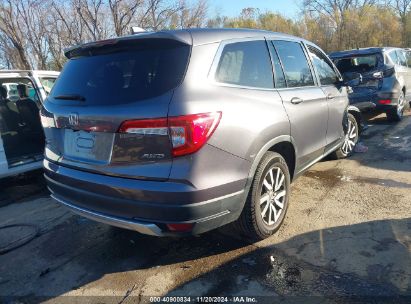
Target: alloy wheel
(401, 105)
(350, 139)
(273, 196)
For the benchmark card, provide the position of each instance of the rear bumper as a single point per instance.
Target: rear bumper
(370, 101)
(145, 228)
(144, 206)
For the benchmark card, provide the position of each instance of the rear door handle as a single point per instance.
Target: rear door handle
(330, 96)
(296, 100)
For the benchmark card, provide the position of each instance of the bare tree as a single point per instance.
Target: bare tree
(91, 13)
(123, 13)
(402, 8)
(10, 22)
(189, 16)
(157, 14)
(31, 14)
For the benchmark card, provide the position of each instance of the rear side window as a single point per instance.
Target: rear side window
(117, 76)
(296, 68)
(401, 58)
(47, 83)
(245, 64)
(393, 56)
(323, 67)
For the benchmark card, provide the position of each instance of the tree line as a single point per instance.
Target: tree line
(34, 33)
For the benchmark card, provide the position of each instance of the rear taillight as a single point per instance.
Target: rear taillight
(384, 101)
(187, 133)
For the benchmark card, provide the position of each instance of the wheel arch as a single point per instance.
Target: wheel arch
(353, 110)
(284, 145)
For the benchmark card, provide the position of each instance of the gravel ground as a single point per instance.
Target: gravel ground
(347, 233)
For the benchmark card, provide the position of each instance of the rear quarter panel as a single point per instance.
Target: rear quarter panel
(250, 118)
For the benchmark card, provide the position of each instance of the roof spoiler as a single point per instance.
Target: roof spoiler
(183, 37)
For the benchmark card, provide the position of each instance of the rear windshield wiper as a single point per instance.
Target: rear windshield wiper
(70, 97)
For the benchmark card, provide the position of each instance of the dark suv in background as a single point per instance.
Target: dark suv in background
(385, 74)
(181, 132)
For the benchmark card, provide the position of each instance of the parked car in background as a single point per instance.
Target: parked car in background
(181, 132)
(21, 134)
(386, 79)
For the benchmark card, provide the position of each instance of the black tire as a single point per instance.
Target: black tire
(397, 113)
(251, 223)
(343, 152)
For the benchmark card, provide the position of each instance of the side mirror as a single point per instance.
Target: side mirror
(353, 79)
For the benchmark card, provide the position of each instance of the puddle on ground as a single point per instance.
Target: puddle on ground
(334, 176)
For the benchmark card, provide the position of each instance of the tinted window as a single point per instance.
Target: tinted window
(116, 76)
(323, 67)
(296, 68)
(278, 69)
(359, 64)
(401, 58)
(11, 85)
(246, 64)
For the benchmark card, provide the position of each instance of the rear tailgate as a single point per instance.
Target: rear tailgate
(102, 86)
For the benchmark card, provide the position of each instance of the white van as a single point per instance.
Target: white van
(21, 134)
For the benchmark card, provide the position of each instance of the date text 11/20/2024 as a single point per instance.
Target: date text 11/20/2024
(181, 299)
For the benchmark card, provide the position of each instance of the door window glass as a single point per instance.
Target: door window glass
(401, 58)
(323, 67)
(296, 68)
(279, 76)
(246, 64)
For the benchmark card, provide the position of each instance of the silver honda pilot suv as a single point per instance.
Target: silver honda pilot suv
(180, 132)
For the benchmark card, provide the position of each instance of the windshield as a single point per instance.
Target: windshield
(124, 75)
(359, 64)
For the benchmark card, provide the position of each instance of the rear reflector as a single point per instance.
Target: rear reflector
(384, 101)
(187, 133)
(180, 227)
(145, 127)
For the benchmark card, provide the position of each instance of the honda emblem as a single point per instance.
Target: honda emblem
(73, 119)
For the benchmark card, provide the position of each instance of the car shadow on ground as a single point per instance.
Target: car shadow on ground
(21, 187)
(366, 259)
(370, 259)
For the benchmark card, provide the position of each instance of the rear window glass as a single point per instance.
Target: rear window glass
(125, 75)
(359, 64)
